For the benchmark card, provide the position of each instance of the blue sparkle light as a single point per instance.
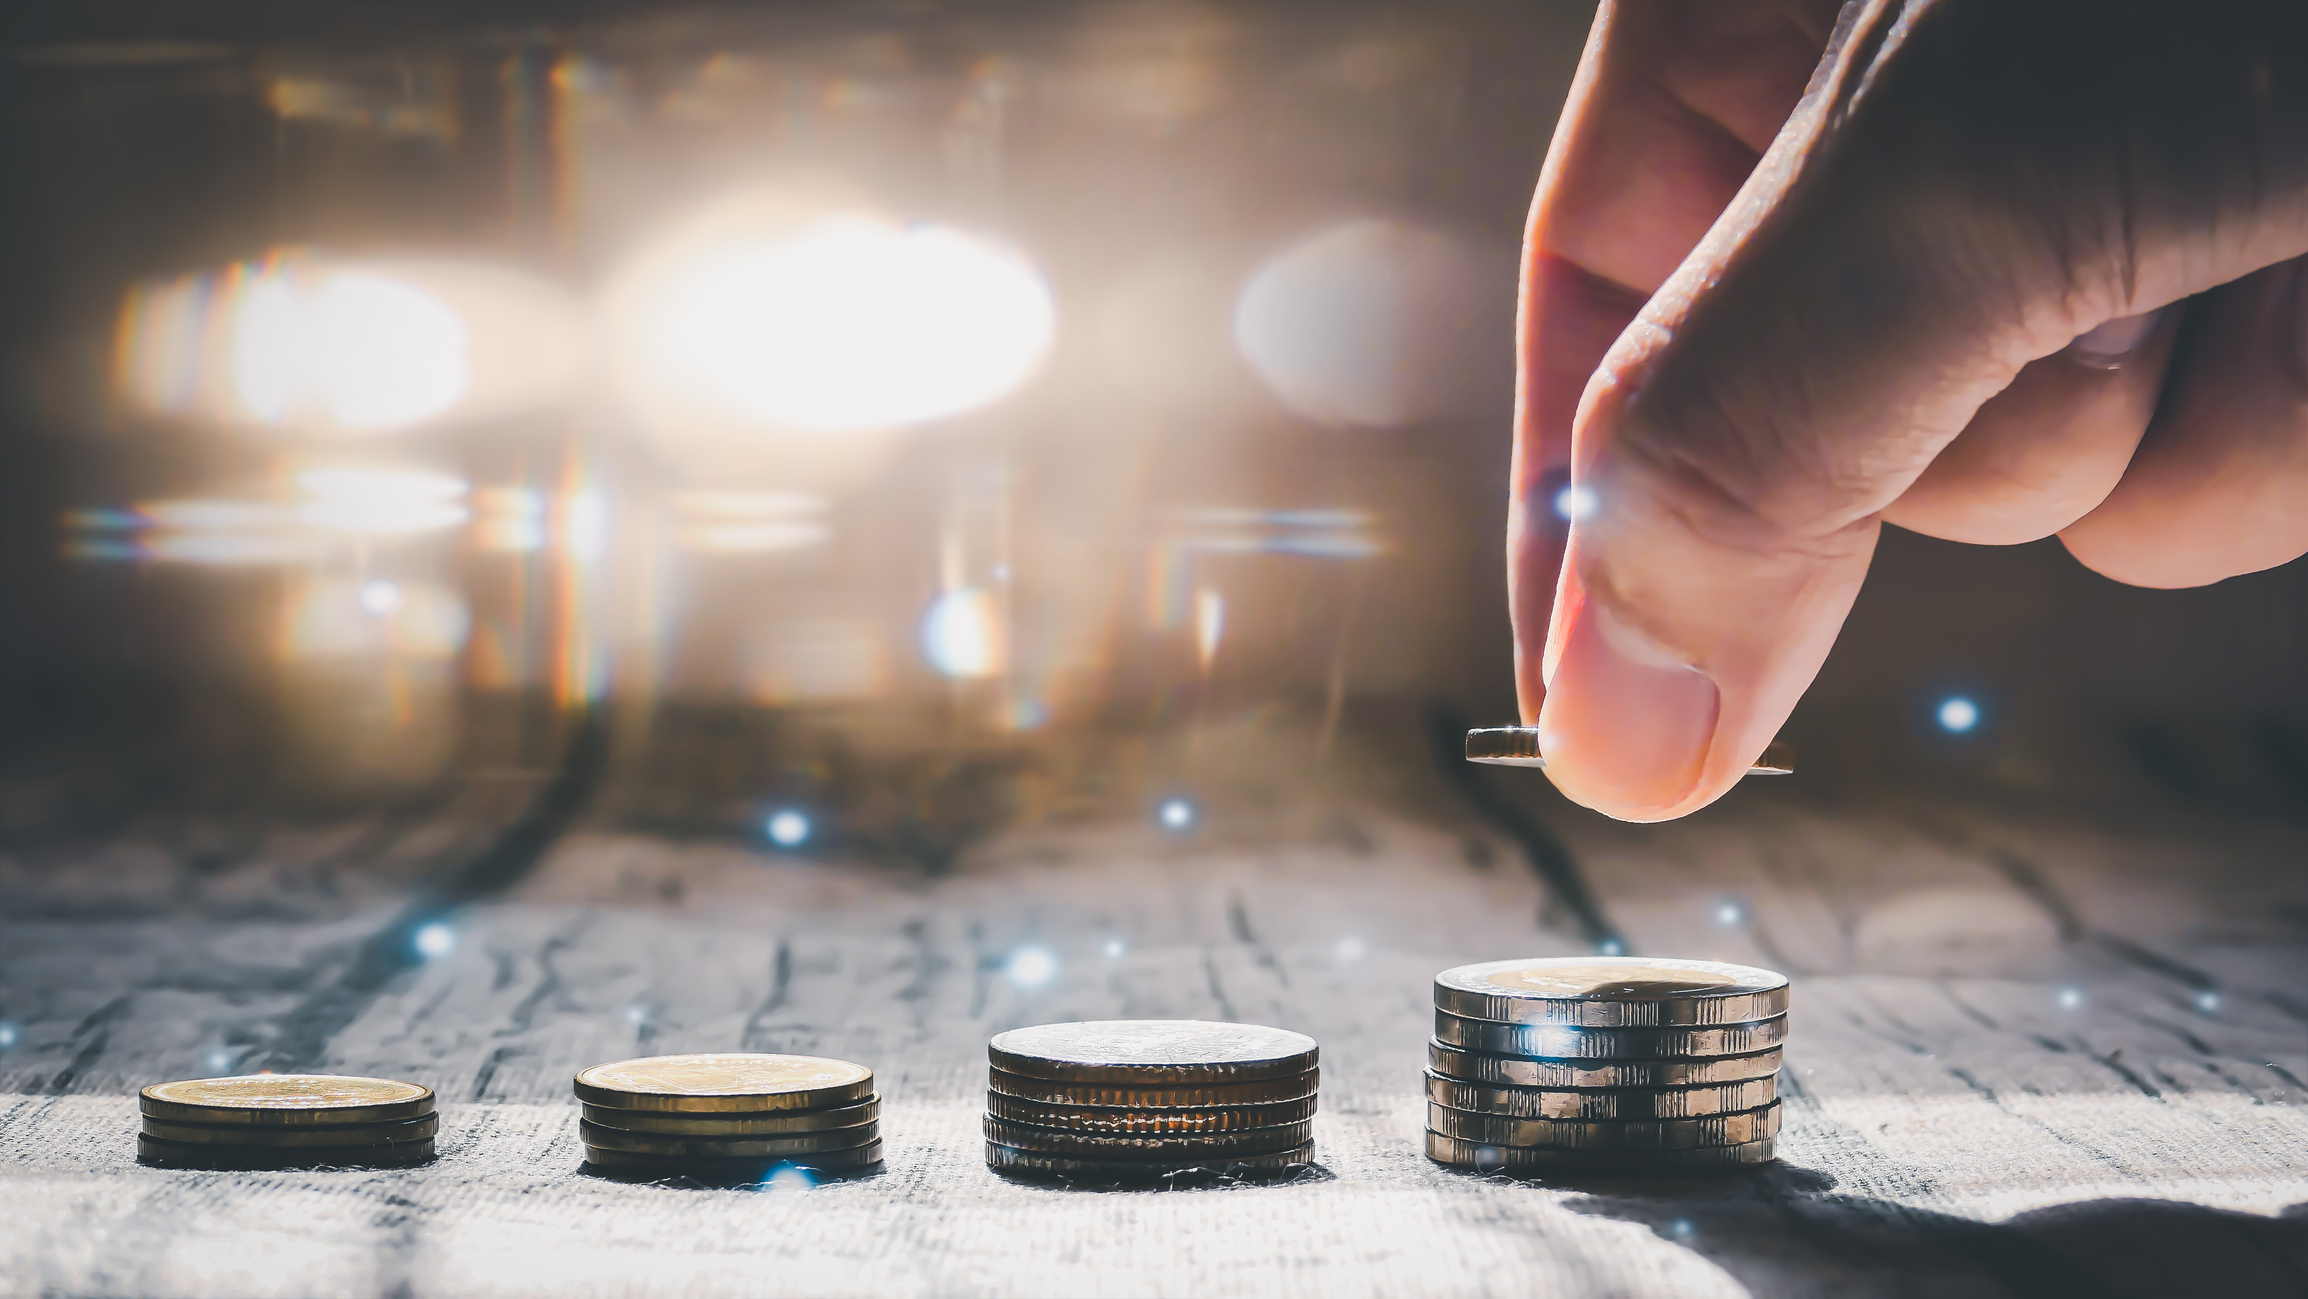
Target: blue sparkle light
(1957, 715)
(787, 827)
(1031, 967)
(433, 941)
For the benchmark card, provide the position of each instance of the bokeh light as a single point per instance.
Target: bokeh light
(1378, 323)
(1031, 967)
(1957, 715)
(434, 940)
(844, 323)
(302, 340)
(787, 827)
(1112, 949)
(2069, 998)
(380, 501)
(7, 1035)
(1574, 503)
(962, 634)
(1349, 949)
(1177, 814)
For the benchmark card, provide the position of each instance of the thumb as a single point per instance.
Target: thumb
(1966, 186)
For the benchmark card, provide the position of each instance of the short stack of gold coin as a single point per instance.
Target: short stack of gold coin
(286, 1120)
(1623, 1066)
(1142, 1099)
(729, 1116)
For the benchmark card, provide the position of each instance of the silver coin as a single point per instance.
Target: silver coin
(796, 1146)
(1594, 1163)
(1623, 1103)
(1606, 1134)
(1559, 1042)
(422, 1128)
(1087, 1145)
(289, 1099)
(769, 1123)
(189, 1154)
(1611, 992)
(836, 1161)
(1518, 746)
(1152, 1052)
(1120, 1121)
(1513, 1071)
(1007, 1159)
(1267, 1091)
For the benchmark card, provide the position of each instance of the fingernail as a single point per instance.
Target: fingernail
(2112, 344)
(1626, 727)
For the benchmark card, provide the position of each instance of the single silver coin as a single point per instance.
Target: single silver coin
(1606, 1134)
(847, 1160)
(1513, 1071)
(1006, 1159)
(1560, 1042)
(1622, 1103)
(1091, 1145)
(1611, 992)
(798, 1145)
(766, 1123)
(190, 1154)
(1151, 1052)
(1265, 1091)
(1595, 1163)
(1518, 746)
(1122, 1120)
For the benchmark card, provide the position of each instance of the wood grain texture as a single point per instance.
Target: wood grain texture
(1953, 1125)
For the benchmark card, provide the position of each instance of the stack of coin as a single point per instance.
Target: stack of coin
(286, 1120)
(1605, 1065)
(729, 1116)
(1140, 1099)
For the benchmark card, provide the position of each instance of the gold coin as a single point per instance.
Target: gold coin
(1606, 1134)
(422, 1128)
(1611, 992)
(1153, 1052)
(1562, 1042)
(1511, 1071)
(185, 1154)
(1085, 1145)
(1594, 1163)
(788, 1147)
(849, 1160)
(1006, 1159)
(1621, 1103)
(286, 1098)
(1518, 746)
(777, 1123)
(725, 1082)
(1118, 1121)
(1263, 1092)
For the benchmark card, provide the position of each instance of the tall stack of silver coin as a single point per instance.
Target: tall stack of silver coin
(1140, 1099)
(1624, 1066)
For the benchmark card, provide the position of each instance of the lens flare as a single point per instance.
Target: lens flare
(962, 634)
(848, 323)
(302, 340)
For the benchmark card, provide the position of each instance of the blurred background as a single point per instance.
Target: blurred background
(860, 428)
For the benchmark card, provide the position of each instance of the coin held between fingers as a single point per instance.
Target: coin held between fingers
(1518, 746)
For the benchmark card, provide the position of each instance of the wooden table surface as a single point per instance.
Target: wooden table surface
(2032, 1053)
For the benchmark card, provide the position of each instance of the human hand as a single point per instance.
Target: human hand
(1953, 284)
